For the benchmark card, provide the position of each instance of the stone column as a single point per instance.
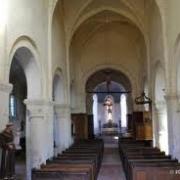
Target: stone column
(5, 90)
(173, 125)
(162, 124)
(89, 103)
(39, 133)
(155, 126)
(63, 118)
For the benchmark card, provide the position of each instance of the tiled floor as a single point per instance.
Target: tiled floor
(20, 169)
(111, 168)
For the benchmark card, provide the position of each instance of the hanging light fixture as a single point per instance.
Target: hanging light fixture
(143, 99)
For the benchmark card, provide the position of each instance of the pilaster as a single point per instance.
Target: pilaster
(173, 125)
(39, 133)
(63, 118)
(161, 112)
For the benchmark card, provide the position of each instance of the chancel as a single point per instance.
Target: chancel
(72, 73)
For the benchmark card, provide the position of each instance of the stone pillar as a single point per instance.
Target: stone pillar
(173, 125)
(162, 125)
(63, 118)
(39, 133)
(89, 103)
(155, 126)
(130, 102)
(5, 90)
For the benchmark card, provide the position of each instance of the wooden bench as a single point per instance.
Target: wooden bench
(75, 162)
(62, 174)
(154, 171)
(142, 162)
(80, 162)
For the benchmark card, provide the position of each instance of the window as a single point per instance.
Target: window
(12, 106)
(123, 111)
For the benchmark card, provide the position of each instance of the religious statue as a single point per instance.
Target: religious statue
(108, 104)
(7, 148)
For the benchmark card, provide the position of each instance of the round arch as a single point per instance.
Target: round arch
(91, 81)
(58, 99)
(84, 18)
(58, 87)
(79, 19)
(120, 68)
(26, 53)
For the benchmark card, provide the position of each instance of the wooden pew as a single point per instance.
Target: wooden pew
(146, 163)
(154, 171)
(80, 162)
(75, 162)
(62, 174)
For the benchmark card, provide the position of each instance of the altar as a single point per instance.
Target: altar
(110, 128)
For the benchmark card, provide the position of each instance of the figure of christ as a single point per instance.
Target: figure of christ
(109, 107)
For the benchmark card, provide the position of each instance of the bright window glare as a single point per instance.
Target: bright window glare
(95, 113)
(116, 137)
(123, 111)
(163, 133)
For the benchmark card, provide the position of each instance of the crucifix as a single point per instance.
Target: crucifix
(109, 105)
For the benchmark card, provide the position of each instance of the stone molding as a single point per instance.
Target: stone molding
(61, 106)
(171, 97)
(173, 100)
(39, 108)
(38, 102)
(160, 105)
(6, 87)
(63, 110)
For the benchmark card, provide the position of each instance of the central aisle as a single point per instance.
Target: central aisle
(111, 168)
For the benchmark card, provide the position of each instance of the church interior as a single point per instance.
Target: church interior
(92, 88)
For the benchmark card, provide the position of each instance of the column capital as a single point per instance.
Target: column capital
(38, 102)
(39, 107)
(160, 105)
(62, 109)
(171, 97)
(6, 87)
(61, 106)
(172, 101)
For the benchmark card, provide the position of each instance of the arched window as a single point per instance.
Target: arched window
(95, 113)
(123, 107)
(12, 107)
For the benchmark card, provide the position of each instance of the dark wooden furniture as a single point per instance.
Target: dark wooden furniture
(141, 161)
(81, 161)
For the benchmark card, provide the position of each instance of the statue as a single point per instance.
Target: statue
(7, 168)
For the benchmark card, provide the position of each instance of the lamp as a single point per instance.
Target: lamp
(143, 99)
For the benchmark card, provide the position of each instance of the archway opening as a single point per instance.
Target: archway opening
(18, 113)
(25, 78)
(109, 101)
